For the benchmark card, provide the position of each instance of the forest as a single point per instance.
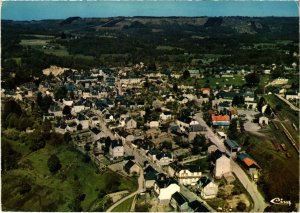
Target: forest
(174, 43)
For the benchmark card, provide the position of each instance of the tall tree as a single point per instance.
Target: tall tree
(252, 79)
(60, 93)
(53, 163)
(232, 130)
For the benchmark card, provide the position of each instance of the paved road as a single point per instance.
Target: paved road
(103, 126)
(251, 187)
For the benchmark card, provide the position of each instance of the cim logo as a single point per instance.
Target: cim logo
(280, 201)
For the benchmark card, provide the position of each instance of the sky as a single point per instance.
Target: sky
(37, 10)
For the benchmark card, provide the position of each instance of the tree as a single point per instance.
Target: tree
(67, 137)
(66, 110)
(186, 74)
(79, 127)
(261, 103)
(241, 206)
(232, 130)
(238, 100)
(9, 157)
(53, 163)
(60, 93)
(11, 106)
(268, 110)
(35, 141)
(175, 87)
(252, 79)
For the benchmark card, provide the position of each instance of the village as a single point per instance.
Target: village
(175, 139)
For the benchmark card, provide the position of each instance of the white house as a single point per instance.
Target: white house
(131, 124)
(67, 102)
(164, 116)
(164, 158)
(164, 188)
(222, 166)
(116, 149)
(83, 120)
(186, 175)
(263, 120)
(208, 188)
(154, 124)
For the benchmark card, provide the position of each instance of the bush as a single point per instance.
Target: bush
(53, 163)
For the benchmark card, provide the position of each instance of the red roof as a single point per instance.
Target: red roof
(249, 162)
(205, 89)
(220, 118)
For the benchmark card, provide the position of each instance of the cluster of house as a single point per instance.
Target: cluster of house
(99, 95)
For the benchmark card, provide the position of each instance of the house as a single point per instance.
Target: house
(131, 124)
(159, 157)
(154, 124)
(150, 176)
(116, 149)
(164, 116)
(96, 133)
(222, 166)
(222, 135)
(263, 120)
(232, 146)
(125, 136)
(56, 110)
(194, 73)
(78, 106)
(100, 145)
(208, 188)
(184, 122)
(94, 121)
(83, 120)
(249, 164)
(212, 148)
(61, 128)
(205, 91)
(67, 102)
(131, 168)
(179, 202)
(220, 120)
(71, 126)
(224, 106)
(196, 206)
(164, 188)
(48, 116)
(185, 174)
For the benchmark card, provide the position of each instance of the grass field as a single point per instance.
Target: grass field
(34, 42)
(278, 171)
(166, 47)
(124, 206)
(56, 192)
